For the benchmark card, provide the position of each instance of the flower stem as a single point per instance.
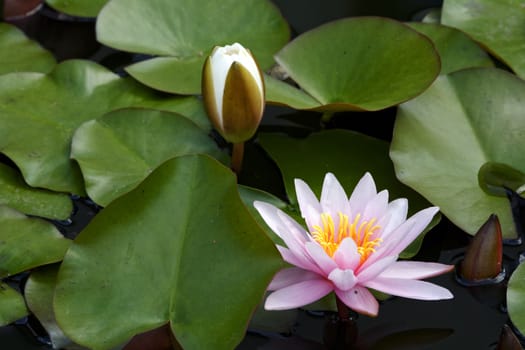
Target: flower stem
(343, 310)
(237, 156)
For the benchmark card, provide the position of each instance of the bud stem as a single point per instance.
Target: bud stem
(342, 310)
(237, 156)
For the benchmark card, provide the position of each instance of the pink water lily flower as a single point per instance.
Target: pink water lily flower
(352, 244)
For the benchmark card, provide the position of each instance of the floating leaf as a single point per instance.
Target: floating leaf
(494, 178)
(15, 193)
(39, 292)
(183, 32)
(80, 8)
(443, 137)
(154, 256)
(339, 152)
(516, 297)
(19, 54)
(456, 50)
(340, 63)
(12, 305)
(120, 149)
(39, 114)
(497, 25)
(281, 93)
(190, 107)
(26, 243)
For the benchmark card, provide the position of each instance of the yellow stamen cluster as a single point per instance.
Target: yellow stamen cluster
(360, 231)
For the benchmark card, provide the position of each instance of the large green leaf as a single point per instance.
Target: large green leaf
(119, 150)
(348, 155)
(190, 107)
(516, 297)
(27, 242)
(82, 8)
(456, 50)
(183, 32)
(19, 54)
(39, 292)
(361, 63)
(39, 114)
(15, 193)
(444, 137)
(497, 25)
(12, 305)
(180, 248)
(281, 93)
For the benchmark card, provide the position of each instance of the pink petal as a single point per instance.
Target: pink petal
(376, 207)
(289, 276)
(317, 253)
(413, 289)
(293, 235)
(293, 228)
(368, 272)
(346, 255)
(299, 259)
(333, 197)
(360, 300)
(297, 295)
(364, 191)
(415, 269)
(401, 237)
(343, 279)
(394, 216)
(308, 204)
(270, 215)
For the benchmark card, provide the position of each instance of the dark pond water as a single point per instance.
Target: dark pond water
(472, 320)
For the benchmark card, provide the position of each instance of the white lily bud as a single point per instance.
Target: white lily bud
(233, 92)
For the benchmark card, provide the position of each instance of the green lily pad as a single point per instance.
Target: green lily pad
(281, 93)
(495, 178)
(19, 54)
(154, 256)
(39, 114)
(443, 138)
(81, 8)
(339, 152)
(12, 305)
(516, 297)
(120, 149)
(183, 32)
(361, 63)
(456, 50)
(15, 193)
(39, 292)
(497, 25)
(26, 243)
(170, 74)
(190, 107)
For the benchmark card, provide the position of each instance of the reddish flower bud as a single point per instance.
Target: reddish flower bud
(484, 254)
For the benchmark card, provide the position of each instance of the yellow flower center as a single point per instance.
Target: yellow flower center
(361, 231)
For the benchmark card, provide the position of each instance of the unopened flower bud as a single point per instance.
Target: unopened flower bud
(508, 340)
(233, 92)
(484, 254)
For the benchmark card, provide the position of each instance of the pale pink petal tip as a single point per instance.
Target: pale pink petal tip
(360, 300)
(297, 295)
